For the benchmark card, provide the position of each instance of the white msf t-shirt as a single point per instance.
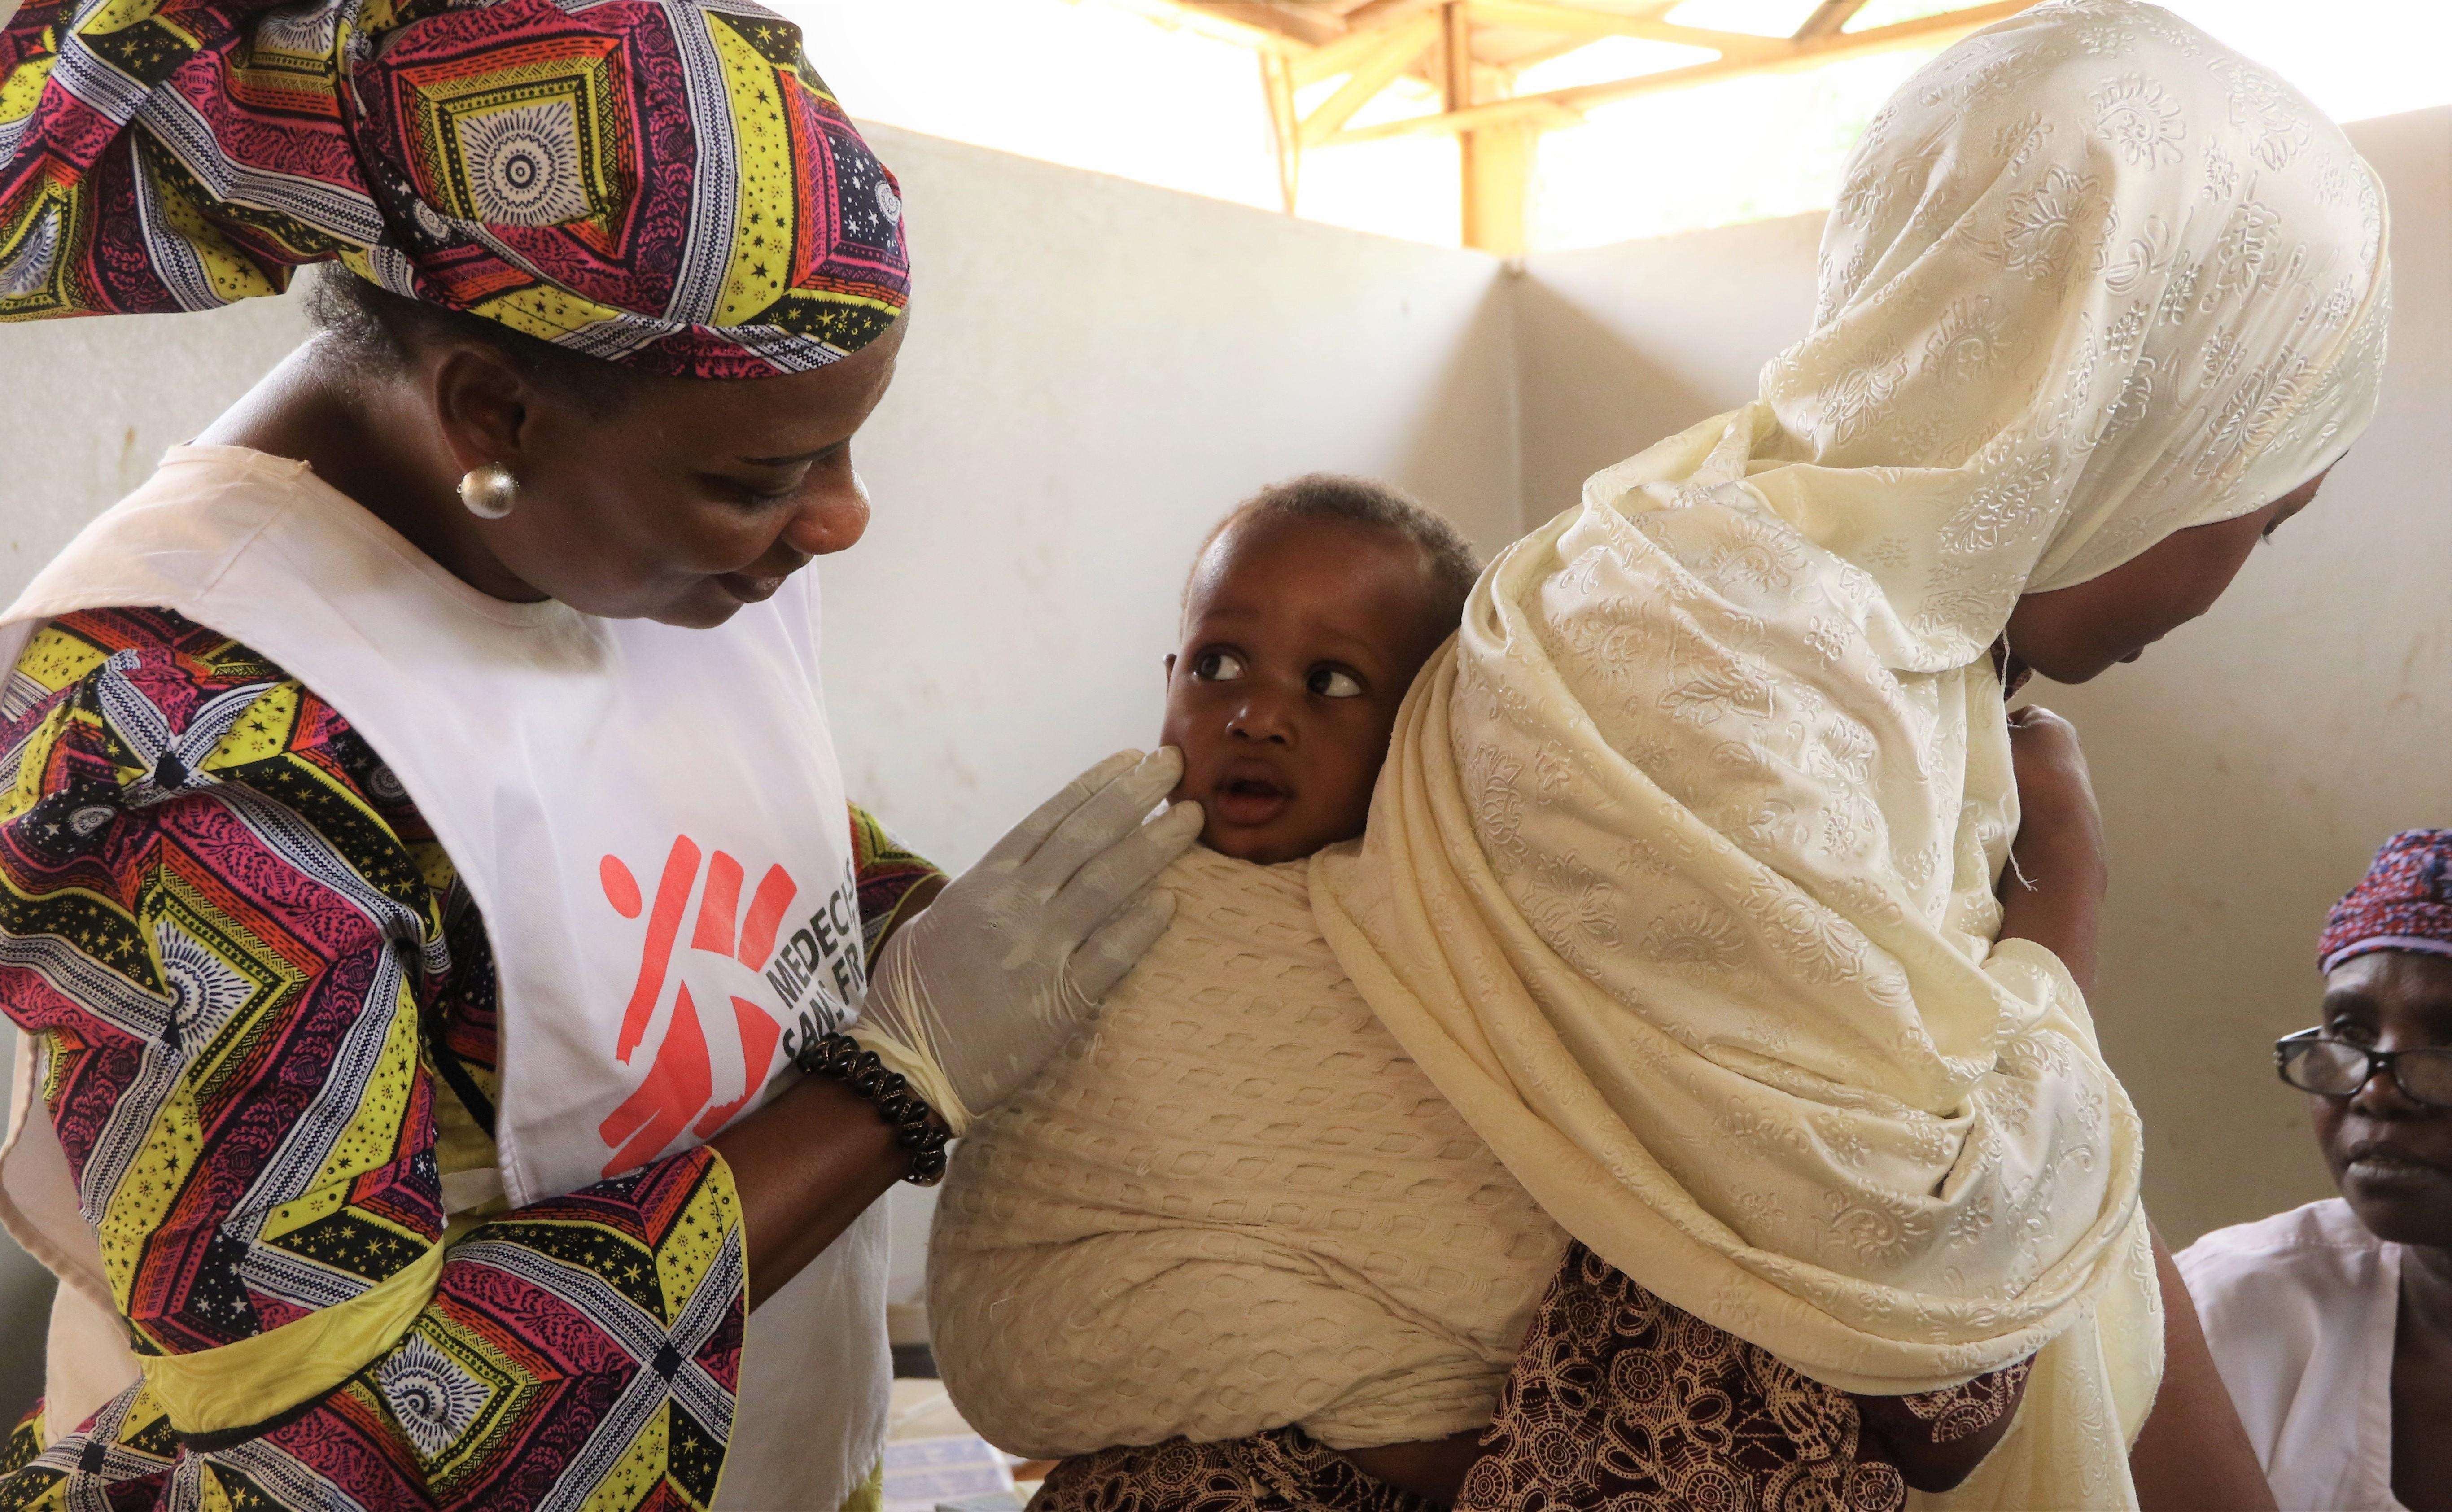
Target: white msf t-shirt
(2299, 1310)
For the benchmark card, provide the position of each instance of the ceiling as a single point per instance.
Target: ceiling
(1473, 52)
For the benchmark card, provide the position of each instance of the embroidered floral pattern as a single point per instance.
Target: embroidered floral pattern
(2041, 230)
(2086, 334)
(2139, 120)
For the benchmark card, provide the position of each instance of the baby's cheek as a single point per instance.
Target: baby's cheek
(1357, 773)
(1181, 731)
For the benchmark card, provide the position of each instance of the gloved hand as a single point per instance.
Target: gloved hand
(974, 996)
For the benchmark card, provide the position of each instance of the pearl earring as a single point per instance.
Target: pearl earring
(490, 491)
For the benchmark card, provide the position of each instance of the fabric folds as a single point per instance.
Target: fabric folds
(667, 187)
(1232, 1207)
(1679, 881)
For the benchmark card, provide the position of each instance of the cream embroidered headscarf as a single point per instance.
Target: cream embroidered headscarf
(1679, 879)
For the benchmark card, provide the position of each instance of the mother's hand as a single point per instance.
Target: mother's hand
(969, 1000)
(2052, 893)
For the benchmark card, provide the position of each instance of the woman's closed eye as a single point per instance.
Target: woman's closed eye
(763, 494)
(1216, 665)
(1334, 682)
(781, 478)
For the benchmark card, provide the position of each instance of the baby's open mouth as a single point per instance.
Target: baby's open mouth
(1250, 798)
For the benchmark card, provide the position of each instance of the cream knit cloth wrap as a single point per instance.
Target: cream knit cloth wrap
(1234, 1205)
(1678, 883)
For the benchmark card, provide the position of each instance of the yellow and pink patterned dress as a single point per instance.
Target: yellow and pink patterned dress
(257, 1133)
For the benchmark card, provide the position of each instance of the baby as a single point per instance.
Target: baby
(1239, 1204)
(1308, 612)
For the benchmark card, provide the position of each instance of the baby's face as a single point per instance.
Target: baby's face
(1299, 640)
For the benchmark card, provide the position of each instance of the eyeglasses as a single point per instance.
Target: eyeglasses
(2337, 1068)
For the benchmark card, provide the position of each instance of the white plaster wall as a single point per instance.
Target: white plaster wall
(1620, 346)
(2247, 767)
(1095, 371)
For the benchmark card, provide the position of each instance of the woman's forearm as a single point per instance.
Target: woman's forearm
(2052, 893)
(2192, 1454)
(806, 1164)
(2053, 896)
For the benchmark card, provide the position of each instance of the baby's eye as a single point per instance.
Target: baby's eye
(1330, 682)
(1216, 666)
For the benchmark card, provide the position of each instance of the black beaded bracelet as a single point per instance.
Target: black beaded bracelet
(907, 1112)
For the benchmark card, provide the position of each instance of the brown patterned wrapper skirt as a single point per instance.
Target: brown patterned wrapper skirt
(1618, 1400)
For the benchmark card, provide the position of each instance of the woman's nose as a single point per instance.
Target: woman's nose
(833, 520)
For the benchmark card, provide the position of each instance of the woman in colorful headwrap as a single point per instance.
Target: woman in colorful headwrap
(424, 875)
(2332, 1324)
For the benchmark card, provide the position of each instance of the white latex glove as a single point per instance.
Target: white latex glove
(971, 998)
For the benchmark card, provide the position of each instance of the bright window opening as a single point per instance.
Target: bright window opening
(1131, 88)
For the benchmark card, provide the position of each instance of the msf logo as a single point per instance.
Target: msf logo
(732, 954)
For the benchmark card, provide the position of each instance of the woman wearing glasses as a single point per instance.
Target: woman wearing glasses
(2332, 1324)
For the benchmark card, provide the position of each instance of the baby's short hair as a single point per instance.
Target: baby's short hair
(1366, 501)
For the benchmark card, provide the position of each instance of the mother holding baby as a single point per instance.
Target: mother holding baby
(428, 894)
(1697, 887)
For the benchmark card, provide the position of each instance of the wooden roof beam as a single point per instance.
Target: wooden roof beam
(1830, 18)
(1545, 15)
(1387, 13)
(1358, 41)
(1293, 23)
(1790, 55)
(1339, 56)
(1399, 48)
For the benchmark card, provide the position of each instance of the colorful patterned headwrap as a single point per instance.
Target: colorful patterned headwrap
(665, 184)
(2404, 903)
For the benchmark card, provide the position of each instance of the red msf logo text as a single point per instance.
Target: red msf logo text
(679, 1084)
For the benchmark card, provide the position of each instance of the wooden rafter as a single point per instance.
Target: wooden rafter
(1373, 72)
(1386, 13)
(1334, 57)
(1293, 22)
(1575, 20)
(1829, 19)
(1472, 50)
(1791, 55)
(1285, 129)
